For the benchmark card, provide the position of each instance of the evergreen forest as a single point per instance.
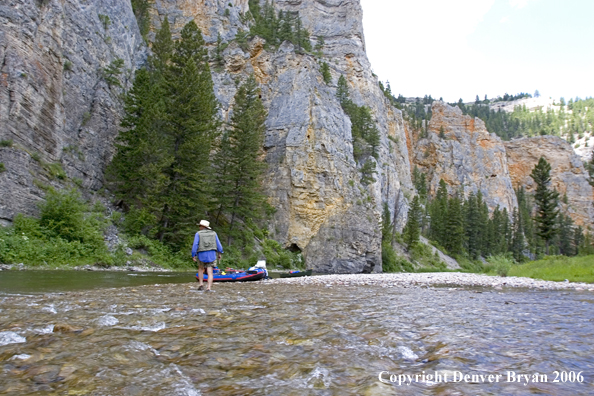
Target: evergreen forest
(176, 163)
(568, 120)
(464, 228)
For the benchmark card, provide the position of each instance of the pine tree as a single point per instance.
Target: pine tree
(191, 127)
(420, 183)
(566, 235)
(590, 169)
(342, 92)
(325, 70)
(412, 230)
(546, 202)
(219, 59)
(367, 172)
(578, 239)
(387, 226)
(319, 45)
(438, 210)
(238, 164)
(454, 231)
(134, 173)
(472, 227)
(517, 246)
(286, 27)
(482, 226)
(162, 49)
(364, 127)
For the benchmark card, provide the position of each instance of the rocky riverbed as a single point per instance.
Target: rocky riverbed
(453, 279)
(319, 335)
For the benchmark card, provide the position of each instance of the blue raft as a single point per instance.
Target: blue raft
(231, 275)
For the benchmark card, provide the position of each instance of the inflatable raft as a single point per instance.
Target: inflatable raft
(231, 275)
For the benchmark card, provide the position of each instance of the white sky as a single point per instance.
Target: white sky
(463, 48)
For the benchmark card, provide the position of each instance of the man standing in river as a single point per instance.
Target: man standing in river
(206, 250)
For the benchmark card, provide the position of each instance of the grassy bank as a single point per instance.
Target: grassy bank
(558, 268)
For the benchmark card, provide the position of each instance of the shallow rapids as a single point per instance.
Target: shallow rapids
(264, 338)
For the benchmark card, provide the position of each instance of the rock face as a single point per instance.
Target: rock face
(54, 102)
(58, 108)
(568, 175)
(469, 159)
(62, 115)
(313, 179)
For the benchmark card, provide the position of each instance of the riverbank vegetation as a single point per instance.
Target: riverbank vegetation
(70, 232)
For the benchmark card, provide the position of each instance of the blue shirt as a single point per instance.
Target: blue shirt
(210, 255)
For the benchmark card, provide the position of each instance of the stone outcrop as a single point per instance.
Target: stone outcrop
(55, 104)
(313, 179)
(469, 159)
(59, 109)
(568, 175)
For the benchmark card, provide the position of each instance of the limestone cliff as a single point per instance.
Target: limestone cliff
(568, 175)
(58, 109)
(313, 181)
(469, 159)
(55, 104)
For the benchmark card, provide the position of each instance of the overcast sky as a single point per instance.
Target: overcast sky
(460, 48)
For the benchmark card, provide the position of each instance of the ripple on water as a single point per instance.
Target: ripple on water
(332, 342)
(49, 329)
(22, 356)
(146, 327)
(10, 337)
(107, 320)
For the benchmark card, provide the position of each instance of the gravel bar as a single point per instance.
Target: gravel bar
(452, 279)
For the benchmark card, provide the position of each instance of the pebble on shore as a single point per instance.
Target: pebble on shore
(452, 279)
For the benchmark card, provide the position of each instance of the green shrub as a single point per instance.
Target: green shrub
(500, 264)
(160, 253)
(423, 254)
(277, 256)
(140, 221)
(392, 262)
(56, 171)
(2, 167)
(68, 232)
(468, 265)
(66, 215)
(6, 143)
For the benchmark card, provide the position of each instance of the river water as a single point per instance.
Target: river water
(267, 338)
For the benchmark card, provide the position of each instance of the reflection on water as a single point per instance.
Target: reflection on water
(62, 281)
(270, 339)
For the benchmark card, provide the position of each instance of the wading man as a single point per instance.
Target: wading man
(206, 249)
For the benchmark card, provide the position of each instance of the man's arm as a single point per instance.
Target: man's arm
(219, 247)
(195, 246)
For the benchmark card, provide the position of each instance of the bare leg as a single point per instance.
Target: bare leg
(210, 277)
(200, 275)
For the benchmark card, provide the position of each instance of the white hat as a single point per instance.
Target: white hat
(205, 223)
